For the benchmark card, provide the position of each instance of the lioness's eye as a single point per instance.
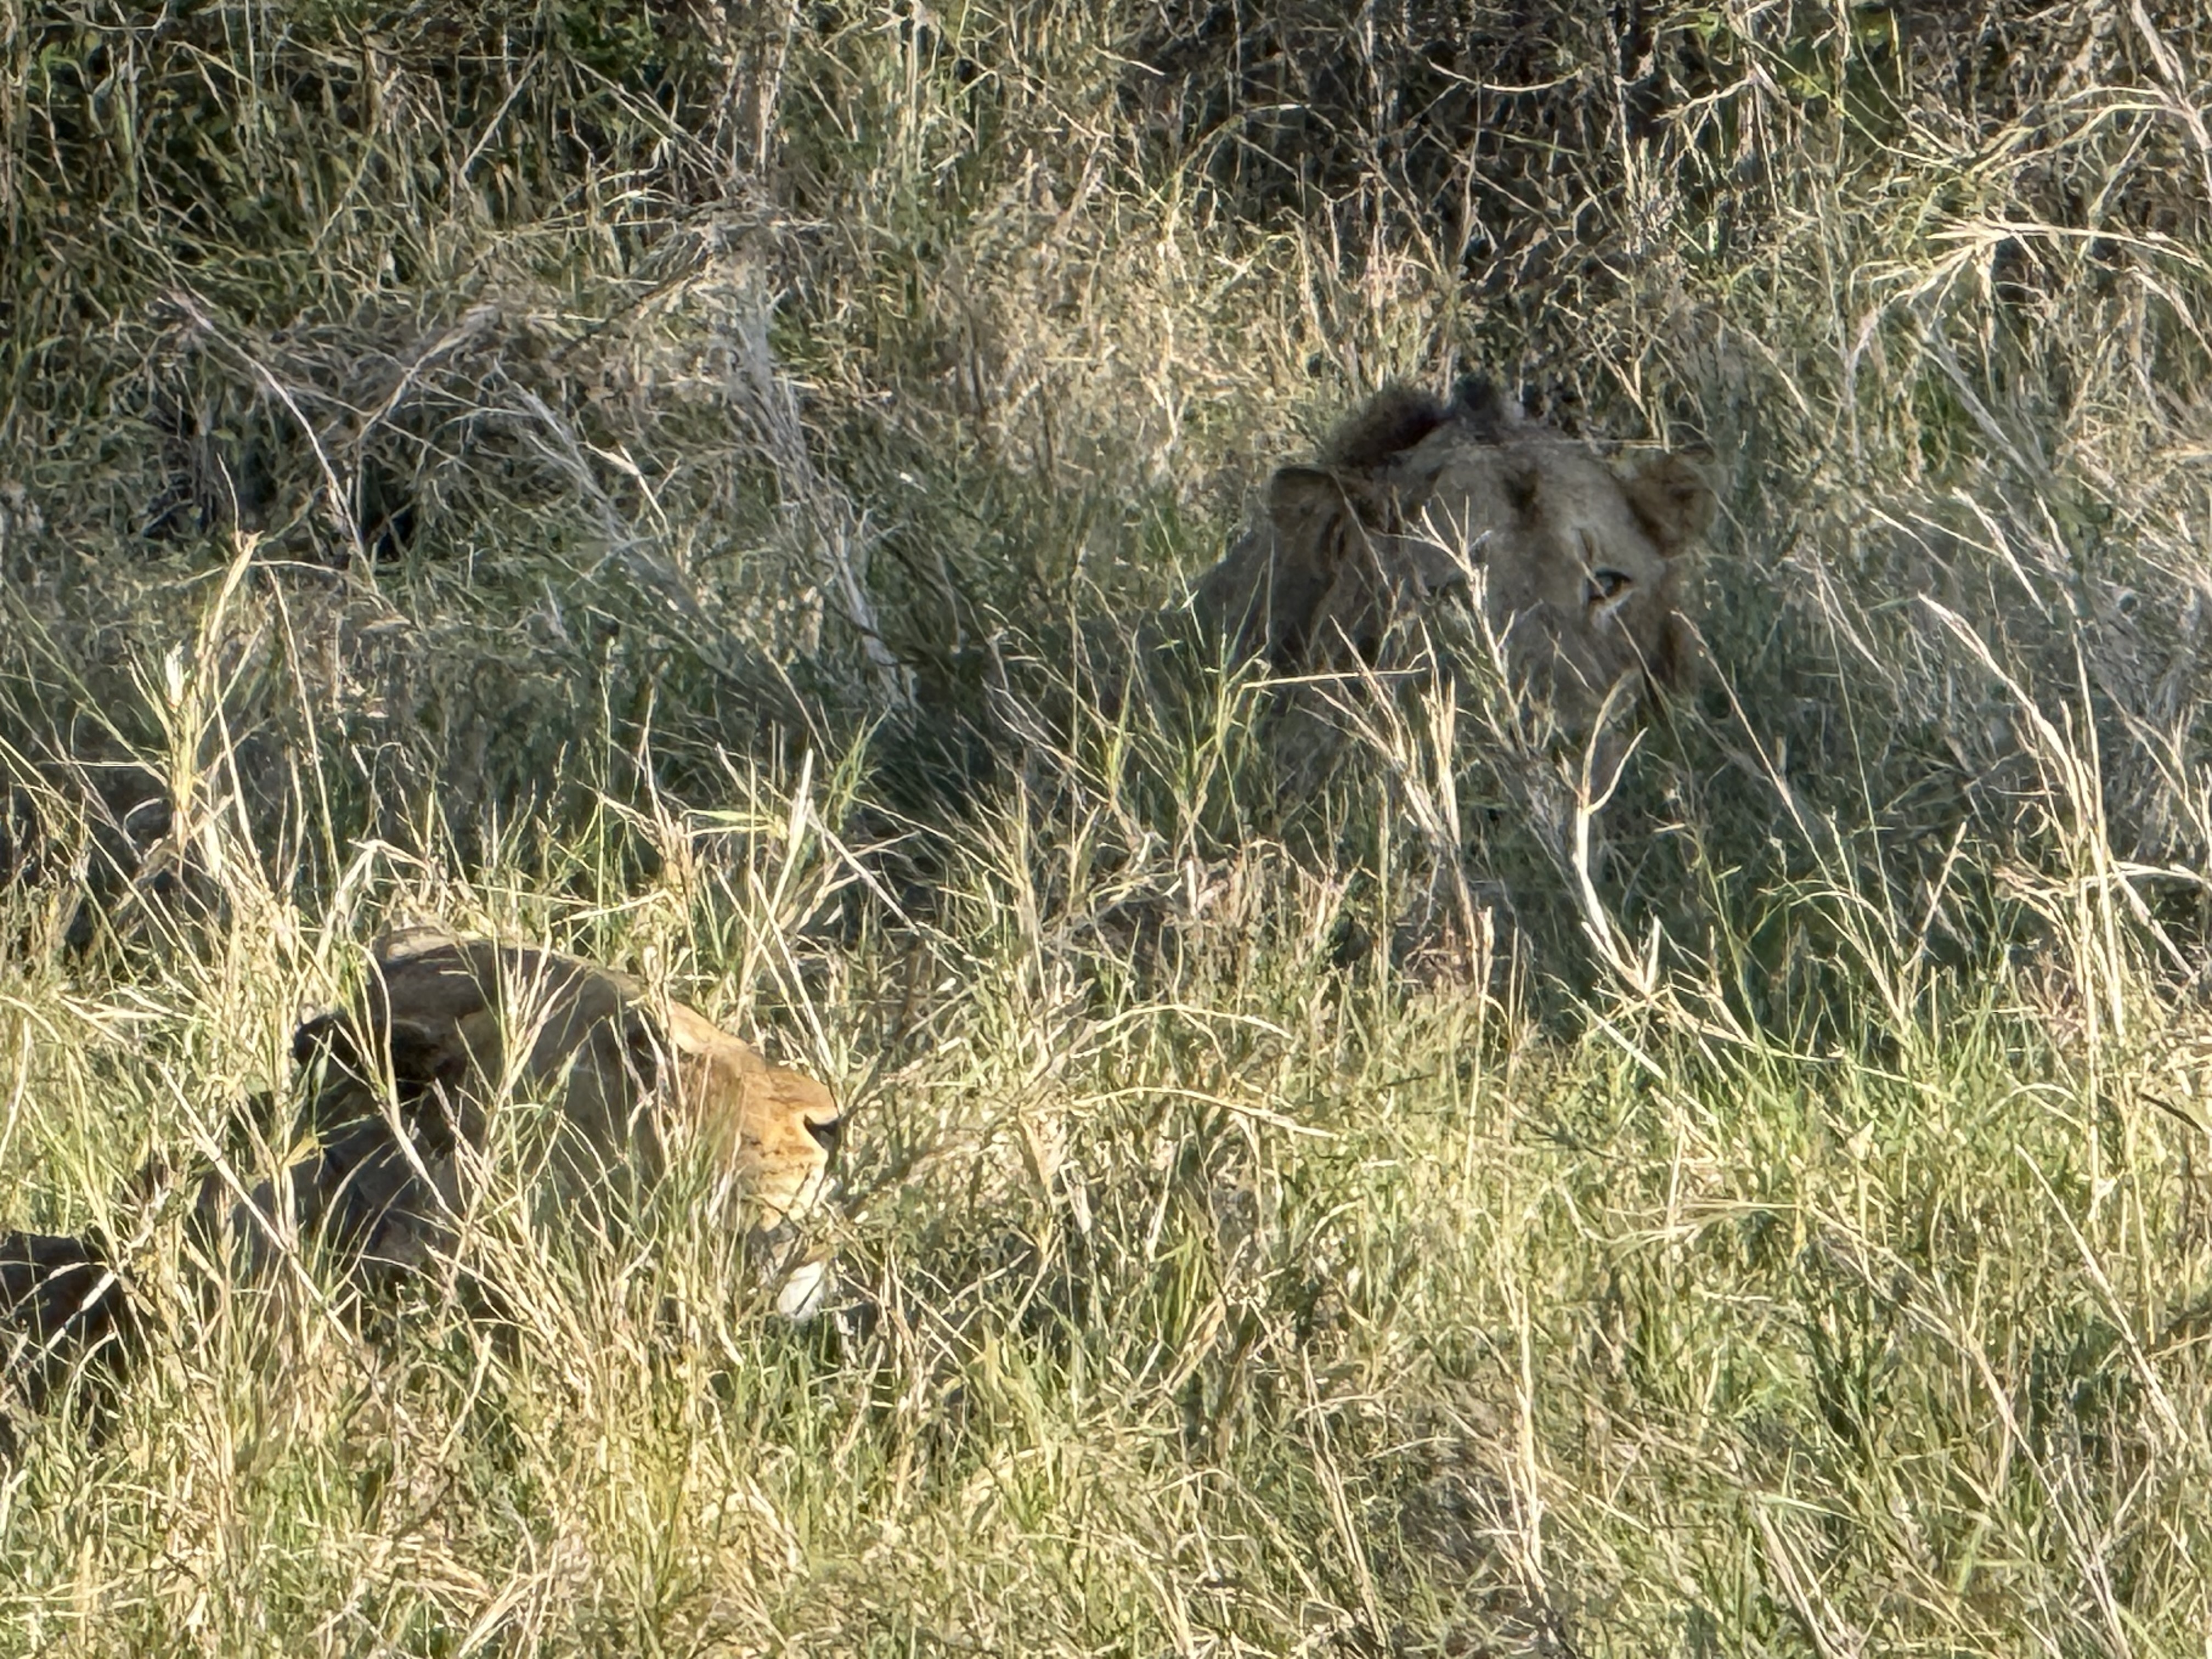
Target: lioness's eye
(1606, 585)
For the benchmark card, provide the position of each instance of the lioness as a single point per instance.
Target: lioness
(406, 1088)
(454, 1025)
(1412, 497)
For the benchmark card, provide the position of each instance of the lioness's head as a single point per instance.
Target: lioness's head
(1413, 499)
(770, 1129)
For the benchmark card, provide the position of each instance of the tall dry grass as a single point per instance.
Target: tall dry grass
(646, 480)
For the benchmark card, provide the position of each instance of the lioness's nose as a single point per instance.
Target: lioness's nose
(827, 1134)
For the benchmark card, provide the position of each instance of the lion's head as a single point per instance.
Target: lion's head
(1413, 499)
(459, 1025)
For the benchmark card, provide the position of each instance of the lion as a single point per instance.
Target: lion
(1412, 500)
(404, 1090)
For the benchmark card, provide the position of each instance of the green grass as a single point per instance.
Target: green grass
(636, 480)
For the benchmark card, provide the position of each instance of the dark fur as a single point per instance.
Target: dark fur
(1387, 424)
(1397, 417)
(63, 1312)
(1485, 411)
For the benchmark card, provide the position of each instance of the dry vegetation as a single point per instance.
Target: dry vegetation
(646, 479)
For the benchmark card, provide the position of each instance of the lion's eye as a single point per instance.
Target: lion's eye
(825, 1134)
(1605, 585)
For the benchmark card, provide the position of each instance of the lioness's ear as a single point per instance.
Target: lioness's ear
(422, 1056)
(419, 1056)
(1673, 503)
(314, 1034)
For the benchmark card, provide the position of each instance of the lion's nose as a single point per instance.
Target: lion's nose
(827, 1134)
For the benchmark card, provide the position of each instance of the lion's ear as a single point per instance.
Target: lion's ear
(1302, 492)
(1313, 497)
(1673, 502)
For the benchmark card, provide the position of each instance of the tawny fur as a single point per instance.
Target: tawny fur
(447, 1033)
(455, 1027)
